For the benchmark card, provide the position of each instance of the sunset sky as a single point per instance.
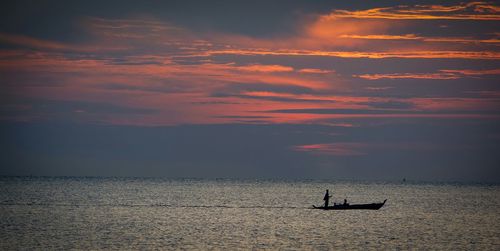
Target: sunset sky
(379, 90)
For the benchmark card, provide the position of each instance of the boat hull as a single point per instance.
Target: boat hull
(372, 206)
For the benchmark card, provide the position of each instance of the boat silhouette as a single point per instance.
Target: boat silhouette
(346, 206)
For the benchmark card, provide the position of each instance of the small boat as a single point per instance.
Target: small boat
(345, 206)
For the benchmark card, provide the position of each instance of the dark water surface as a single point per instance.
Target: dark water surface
(134, 213)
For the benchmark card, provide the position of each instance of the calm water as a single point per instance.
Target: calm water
(113, 213)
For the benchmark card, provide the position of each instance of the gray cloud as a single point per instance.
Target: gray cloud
(390, 105)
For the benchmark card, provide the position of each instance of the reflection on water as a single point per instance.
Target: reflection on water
(112, 213)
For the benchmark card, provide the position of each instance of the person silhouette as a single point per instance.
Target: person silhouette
(327, 198)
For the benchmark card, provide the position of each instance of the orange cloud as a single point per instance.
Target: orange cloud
(442, 74)
(463, 11)
(425, 39)
(265, 68)
(461, 40)
(204, 74)
(315, 71)
(456, 104)
(176, 71)
(473, 72)
(317, 38)
(159, 83)
(383, 37)
(325, 31)
(493, 55)
(334, 149)
(408, 76)
(178, 87)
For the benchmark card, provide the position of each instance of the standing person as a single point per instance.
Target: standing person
(327, 198)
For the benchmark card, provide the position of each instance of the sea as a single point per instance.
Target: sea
(60, 213)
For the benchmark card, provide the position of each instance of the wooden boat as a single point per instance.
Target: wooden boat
(372, 206)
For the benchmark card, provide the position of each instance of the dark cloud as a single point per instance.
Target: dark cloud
(390, 105)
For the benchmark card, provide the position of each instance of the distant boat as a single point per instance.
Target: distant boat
(345, 206)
